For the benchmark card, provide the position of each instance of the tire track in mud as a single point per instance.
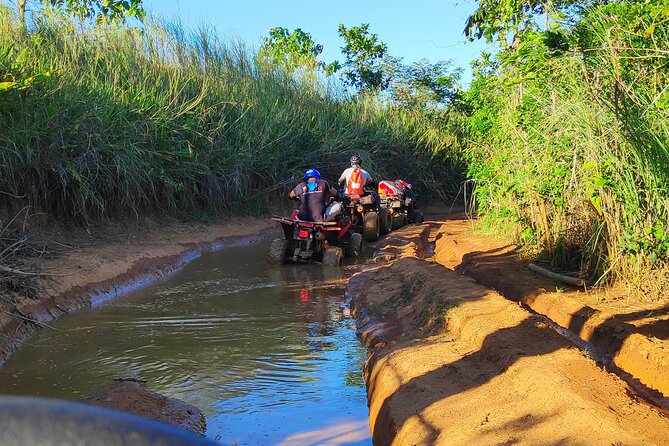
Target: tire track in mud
(453, 362)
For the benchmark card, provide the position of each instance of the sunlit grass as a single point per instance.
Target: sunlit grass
(117, 122)
(577, 160)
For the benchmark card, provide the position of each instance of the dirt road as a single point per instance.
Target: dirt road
(454, 362)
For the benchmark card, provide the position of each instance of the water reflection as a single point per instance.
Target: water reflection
(267, 353)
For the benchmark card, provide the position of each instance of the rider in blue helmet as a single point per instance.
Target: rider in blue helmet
(312, 173)
(314, 195)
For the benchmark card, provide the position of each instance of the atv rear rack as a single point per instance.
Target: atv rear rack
(331, 225)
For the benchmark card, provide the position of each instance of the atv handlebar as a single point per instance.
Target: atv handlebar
(341, 197)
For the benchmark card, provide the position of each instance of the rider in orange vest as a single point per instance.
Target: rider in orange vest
(355, 177)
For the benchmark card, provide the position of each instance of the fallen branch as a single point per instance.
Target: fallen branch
(27, 319)
(28, 273)
(18, 271)
(559, 277)
(12, 246)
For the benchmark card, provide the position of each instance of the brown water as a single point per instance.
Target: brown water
(268, 353)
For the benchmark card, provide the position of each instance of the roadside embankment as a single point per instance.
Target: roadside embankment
(633, 335)
(454, 362)
(98, 265)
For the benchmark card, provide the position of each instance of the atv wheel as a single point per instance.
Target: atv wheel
(385, 221)
(418, 216)
(333, 256)
(399, 221)
(370, 227)
(355, 245)
(277, 251)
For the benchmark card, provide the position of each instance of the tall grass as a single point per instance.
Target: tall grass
(116, 122)
(571, 151)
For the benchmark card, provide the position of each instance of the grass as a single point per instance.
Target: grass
(570, 148)
(112, 122)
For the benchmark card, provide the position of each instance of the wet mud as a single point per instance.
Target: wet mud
(133, 397)
(454, 362)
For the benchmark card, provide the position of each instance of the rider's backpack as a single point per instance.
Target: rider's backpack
(355, 183)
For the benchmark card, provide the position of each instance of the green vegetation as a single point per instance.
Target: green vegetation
(564, 132)
(424, 85)
(568, 139)
(101, 11)
(293, 51)
(365, 63)
(108, 121)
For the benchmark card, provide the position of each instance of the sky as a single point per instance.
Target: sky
(412, 29)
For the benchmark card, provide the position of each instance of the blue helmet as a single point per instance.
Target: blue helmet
(312, 173)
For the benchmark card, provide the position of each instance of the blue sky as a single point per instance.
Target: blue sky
(412, 29)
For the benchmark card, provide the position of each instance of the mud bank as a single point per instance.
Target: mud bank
(133, 397)
(633, 335)
(454, 362)
(109, 263)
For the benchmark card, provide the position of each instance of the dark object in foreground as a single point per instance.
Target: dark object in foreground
(25, 421)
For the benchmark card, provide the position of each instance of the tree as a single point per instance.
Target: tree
(294, 50)
(365, 59)
(507, 19)
(424, 84)
(21, 6)
(100, 10)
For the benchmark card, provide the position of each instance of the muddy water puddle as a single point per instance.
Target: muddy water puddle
(269, 354)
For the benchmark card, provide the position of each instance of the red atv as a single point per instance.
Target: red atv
(398, 199)
(308, 242)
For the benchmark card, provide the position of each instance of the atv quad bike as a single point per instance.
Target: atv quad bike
(315, 242)
(398, 199)
(366, 216)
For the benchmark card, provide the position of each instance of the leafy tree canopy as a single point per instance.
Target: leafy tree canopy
(292, 50)
(365, 67)
(424, 84)
(115, 11)
(506, 19)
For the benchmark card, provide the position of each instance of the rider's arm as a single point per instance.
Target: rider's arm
(295, 194)
(370, 180)
(342, 178)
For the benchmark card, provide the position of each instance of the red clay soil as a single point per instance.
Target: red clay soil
(133, 397)
(104, 262)
(454, 362)
(635, 335)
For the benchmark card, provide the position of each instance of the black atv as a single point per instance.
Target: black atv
(367, 217)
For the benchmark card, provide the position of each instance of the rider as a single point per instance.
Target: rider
(355, 178)
(314, 195)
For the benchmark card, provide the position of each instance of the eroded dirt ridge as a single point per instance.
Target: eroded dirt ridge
(454, 362)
